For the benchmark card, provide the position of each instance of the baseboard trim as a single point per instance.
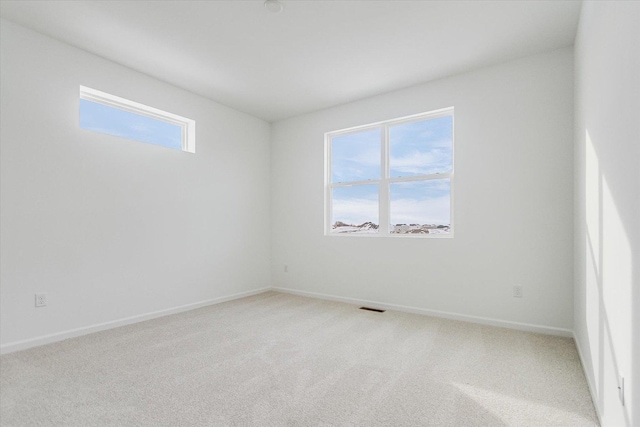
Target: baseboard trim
(85, 330)
(589, 378)
(72, 333)
(547, 330)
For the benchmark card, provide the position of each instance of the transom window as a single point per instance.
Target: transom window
(393, 178)
(110, 114)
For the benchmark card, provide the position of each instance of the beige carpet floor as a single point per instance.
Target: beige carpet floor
(282, 360)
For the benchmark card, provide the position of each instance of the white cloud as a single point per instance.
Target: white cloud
(368, 157)
(363, 165)
(355, 211)
(421, 162)
(414, 211)
(403, 211)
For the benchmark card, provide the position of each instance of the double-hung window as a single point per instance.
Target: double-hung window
(393, 178)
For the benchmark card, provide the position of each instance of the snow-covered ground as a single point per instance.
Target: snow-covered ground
(365, 228)
(419, 229)
(370, 228)
(354, 229)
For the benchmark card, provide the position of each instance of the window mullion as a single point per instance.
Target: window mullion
(328, 213)
(429, 177)
(352, 183)
(384, 183)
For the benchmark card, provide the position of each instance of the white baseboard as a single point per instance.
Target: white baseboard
(589, 378)
(71, 333)
(548, 330)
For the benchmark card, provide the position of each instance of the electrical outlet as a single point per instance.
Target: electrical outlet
(41, 300)
(621, 390)
(286, 268)
(517, 291)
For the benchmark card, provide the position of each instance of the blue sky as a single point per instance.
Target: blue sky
(113, 121)
(416, 148)
(421, 148)
(356, 157)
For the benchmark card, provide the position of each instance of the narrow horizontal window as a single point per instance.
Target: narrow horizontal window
(112, 115)
(391, 178)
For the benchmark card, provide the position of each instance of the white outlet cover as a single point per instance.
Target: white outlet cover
(41, 299)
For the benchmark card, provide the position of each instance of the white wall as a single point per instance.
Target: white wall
(112, 228)
(512, 209)
(513, 200)
(607, 187)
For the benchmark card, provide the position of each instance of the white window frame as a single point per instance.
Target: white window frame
(188, 126)
(384, 201)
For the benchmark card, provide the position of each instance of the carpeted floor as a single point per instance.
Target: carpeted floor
(282, 360)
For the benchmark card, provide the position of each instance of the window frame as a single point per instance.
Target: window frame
(384, 182)
(188, 126)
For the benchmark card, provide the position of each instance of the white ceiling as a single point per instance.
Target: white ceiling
(312, 55)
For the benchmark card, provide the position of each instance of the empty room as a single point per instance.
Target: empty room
(319, 213)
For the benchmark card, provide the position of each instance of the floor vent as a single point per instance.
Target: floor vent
(377, 310)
